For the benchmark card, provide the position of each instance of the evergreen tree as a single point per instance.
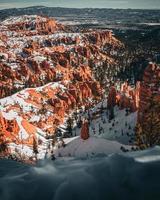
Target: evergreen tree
(111, 113)
(70, 126)
(148, 132)
(111, 102)
(3, 145)
(54, 140)
(3, 142)
(139, 136)
(35, 147)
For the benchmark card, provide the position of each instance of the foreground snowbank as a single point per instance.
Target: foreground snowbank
(123, 176)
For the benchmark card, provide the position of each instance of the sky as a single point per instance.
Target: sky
(142, 4)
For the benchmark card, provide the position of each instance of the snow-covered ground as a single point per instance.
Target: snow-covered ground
(90, 147)
(116, 177)
(119, 129)
(23, 19)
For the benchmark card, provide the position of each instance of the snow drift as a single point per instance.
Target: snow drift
(120, 176)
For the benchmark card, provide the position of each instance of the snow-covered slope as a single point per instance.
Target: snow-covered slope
(111, 140)
(23, 19)
(78, 147)
(121, 128)
(115, 133)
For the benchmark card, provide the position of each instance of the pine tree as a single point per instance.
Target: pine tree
(54, 140)
(35, 147)
(3, 145)
(69, 126)
(150, 126)
(111, 102)
(3, 142)
(139, 136)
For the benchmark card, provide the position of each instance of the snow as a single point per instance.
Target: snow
(22, 133)
(1, 44)
(39, 58)
(97, 143)
(90, 21)
(28, 150)
(17, 98)
(10, 115)
(109, 141)
(120, 117)
(146, 156)
(52, 85)
(13, 66)
(57, 85)
(21, 148)
(92, 146)
(110, 132)
(35, 118)
(23, 18)
(24, 94)
(116, 177)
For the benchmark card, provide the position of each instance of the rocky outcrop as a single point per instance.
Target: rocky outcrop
(37, 59)
(43, 109)
(125, 97)
(85, 130)
(128, 97)
(47, 73)
(9, 128)
(31, 25)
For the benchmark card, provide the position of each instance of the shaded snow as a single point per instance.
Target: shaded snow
(100, 178)
(146, 156)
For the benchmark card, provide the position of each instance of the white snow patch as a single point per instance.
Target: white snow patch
(92, 146)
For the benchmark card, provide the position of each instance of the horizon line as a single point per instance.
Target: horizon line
(63, 7)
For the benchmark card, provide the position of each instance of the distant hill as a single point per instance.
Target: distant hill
(114, 15)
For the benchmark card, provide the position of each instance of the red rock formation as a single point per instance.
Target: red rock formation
(26, 24)
(9, 128)
(85, 130)
(128, 97)
(59, 101)
(30, 62)
(38, 52)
